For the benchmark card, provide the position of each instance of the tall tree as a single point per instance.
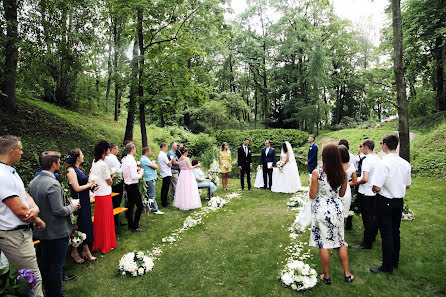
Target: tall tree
(403, 114)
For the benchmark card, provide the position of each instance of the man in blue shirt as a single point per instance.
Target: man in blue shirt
(175, 169)
(150, 178)
(312, 155)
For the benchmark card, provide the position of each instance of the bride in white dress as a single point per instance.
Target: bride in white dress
(287, 179)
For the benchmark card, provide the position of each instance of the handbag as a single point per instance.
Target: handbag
(304, 217)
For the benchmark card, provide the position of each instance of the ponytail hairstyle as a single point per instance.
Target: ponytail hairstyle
(332, 165)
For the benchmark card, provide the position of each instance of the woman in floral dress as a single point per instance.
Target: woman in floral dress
(327, 187)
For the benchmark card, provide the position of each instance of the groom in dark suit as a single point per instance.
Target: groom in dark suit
(268, 156)
(245, 163)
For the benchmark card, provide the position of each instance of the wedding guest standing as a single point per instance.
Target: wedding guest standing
(165, 173)
(391, 183)
(366, 195)
(115, 167)
(18, 212)
(103, 226)
(186, 196)
(131, 176)
(202, 181)
(150, 168)
(267, 162)
(225, 162)
(351, 158)
(245, 163)
(327, 185)
(80, 189)
(312, 155)
(175, 169)
(350, 171)
(55, 211)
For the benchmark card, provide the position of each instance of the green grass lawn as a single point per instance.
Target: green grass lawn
(239, 251)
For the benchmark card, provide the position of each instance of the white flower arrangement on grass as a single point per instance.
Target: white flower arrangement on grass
(407, 214)
(298, 275)
(77, 238)
(189, 222)
(135, 264)
(297, 201)
(216, 203)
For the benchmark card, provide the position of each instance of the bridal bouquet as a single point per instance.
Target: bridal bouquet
(135, 263)
(116, 178)
(298, 275)
(76, 238)
(216, 202)
(279, 165)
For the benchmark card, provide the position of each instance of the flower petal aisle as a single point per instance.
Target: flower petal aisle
(138, 263)
(297, 274)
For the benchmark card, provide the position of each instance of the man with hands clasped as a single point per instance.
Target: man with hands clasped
(245, 163)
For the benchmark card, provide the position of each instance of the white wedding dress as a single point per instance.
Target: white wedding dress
(287, 180)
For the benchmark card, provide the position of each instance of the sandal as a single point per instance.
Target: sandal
(88, 256)
(77, 259)
(349, 279)
(327, 281)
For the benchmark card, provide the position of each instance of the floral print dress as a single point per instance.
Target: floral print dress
(327, 225)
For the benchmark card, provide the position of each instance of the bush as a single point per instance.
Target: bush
(258, 137)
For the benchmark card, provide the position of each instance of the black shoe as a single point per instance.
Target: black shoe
(263, 188)
(361, 247)
(138, 230)
(380, 270)
(67, 278)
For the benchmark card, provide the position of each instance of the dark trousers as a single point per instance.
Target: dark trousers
(388, 218)
(134, 198)
(267, 173)
(117, 200)
(245, 169)
(52, 260)
(367, 205)
(165, 190)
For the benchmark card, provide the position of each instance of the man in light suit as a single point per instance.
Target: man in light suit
(267, 162)
(245, 163)
(312, 155)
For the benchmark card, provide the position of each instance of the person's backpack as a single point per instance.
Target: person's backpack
(359, 170)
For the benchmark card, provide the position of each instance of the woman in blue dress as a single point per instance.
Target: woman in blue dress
(80, 189)
(203, 182)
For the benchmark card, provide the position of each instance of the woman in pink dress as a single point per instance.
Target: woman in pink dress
(186, 194)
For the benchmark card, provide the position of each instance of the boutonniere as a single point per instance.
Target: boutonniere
(311, 147)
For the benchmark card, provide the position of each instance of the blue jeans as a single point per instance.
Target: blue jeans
(151, 192)
(52, 260)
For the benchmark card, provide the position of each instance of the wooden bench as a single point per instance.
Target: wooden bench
(116, 212)
(208, 197)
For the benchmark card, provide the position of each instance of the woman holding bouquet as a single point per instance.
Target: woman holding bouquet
(186, 194)
(327, 187)
(80, 189)
(225, 162)
(287, 179)
(104, 226)
(202, 181)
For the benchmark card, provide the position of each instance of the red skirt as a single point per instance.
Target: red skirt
(104, 225)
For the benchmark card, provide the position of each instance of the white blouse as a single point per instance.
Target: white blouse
(100, 172)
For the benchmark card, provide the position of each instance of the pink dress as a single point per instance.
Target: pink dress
(186, 194)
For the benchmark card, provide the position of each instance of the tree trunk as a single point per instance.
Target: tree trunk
(403, 115)
(163, 122)
(142, 103)
(117, 45)
(132, 96)
(440, 82)
(11, 57)
(110, 72)
(265, 88)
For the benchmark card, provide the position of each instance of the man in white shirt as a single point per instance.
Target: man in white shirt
(165, 172)
(391, 183)
(366, 195)
(131, 176)
(18, 212)
(115, 166)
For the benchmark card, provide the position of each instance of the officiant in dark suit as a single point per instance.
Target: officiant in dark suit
(267, 162)
(245, 163)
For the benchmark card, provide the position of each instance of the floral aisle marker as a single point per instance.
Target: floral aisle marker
(297, 274)
(128, 263)
(136, 263)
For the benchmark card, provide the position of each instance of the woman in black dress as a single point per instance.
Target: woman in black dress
(80, 187)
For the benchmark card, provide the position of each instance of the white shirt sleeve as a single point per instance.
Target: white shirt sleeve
(7, 189)
(105, 171)
(134, 171)
(366, 165)
(380, 174)
(408, 179)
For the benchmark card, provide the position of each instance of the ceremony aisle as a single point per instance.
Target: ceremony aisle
(239, 250)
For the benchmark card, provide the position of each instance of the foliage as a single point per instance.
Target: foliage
(258, 137)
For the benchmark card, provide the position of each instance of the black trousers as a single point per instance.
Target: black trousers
(134, 198)
(117, 200)
(245, 169)
(367, 206)
(388, 218)
(267, 173)
(165, 190)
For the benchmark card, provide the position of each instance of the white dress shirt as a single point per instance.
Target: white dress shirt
(113, 163)
(371, 164)
(130, 170)
(162, 162)
(266, 151)
(245, 148)
(393, 177)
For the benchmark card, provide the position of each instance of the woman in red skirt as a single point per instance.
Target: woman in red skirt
(104, 225)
